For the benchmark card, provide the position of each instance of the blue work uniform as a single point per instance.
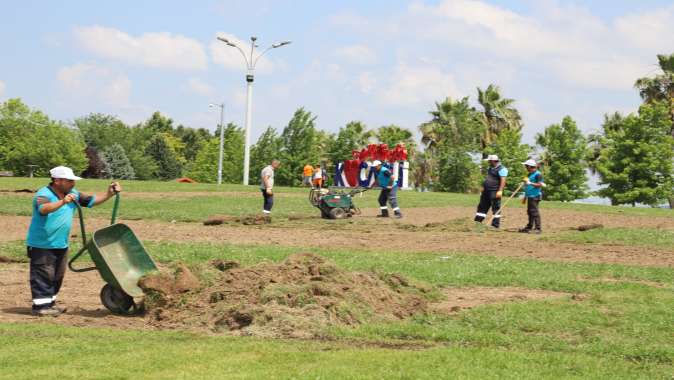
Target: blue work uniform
(488, 199)
(387, 195)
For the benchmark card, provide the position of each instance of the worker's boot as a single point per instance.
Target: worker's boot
(384, 214)
(525, 230)
(61, 309)
(398, 214)
(46, 312)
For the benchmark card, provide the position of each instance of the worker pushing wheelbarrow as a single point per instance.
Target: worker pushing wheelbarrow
(120, 259)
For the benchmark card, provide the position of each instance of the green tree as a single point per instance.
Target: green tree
(233, 145)
(452, 141)
(159, 123)
(299, 146)
(205, 166)
(101, 131)
(267, 148)
(392, 135)
(508, 146)
(498, 114)
(353, 136)
(565, 150)
(192, 139)
(635, 157)
(117, 164)
(168, 166)
(29, 137)
(660, 88)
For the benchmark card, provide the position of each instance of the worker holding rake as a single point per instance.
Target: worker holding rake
(532, 197)
(492, 191)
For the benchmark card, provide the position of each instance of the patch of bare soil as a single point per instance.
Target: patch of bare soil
(297, 298)
(445, 230)
(457, 299)
(80, 294)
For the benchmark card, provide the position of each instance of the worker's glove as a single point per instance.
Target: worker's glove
(499, 194)
(69, 198)
(269, 192)
(524, 200)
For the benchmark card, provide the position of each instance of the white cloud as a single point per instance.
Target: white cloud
(2, 88)
(199, 87)
(231, 58)
(366, 82)
(95, 83)
(413, 86)
(650, 30)
(357, 54)
(159, 50)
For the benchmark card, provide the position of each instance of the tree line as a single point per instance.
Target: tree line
(632, 154)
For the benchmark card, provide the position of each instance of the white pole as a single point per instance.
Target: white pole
(249, 116)
(222, 138)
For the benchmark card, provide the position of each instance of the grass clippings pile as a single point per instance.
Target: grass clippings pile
(297, 298)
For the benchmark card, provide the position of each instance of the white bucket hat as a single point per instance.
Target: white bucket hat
(64, 173)
(492, 157)
(376, 163)
(530, 162)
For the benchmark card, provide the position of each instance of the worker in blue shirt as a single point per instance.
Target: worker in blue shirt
(47, 240)
(492, 191)
(389, 190)
(532, 196)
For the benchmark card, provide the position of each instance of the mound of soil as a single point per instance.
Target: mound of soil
(297, 298)
(248, 220)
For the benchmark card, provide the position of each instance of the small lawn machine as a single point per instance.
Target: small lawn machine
(336, 202)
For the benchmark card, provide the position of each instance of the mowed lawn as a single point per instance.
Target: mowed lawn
(616, 321)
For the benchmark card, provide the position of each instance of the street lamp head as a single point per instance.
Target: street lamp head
(279, 44)
(224, 40)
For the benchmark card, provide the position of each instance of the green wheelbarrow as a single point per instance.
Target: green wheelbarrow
(121, 260)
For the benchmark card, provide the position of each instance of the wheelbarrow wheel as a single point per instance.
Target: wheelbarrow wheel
(117, 301)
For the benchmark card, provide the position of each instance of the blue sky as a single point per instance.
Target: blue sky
(381, 62)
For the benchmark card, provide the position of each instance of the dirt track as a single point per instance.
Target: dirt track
(410, 233)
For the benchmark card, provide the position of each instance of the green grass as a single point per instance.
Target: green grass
(620, 329)
(48, 351)
(646, 237)
(246, 200)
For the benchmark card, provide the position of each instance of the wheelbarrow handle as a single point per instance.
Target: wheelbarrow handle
(75, 257)
(115, 207)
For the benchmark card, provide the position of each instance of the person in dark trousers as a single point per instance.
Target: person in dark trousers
(49, 232)
(389, 190)
(266, 186)
(532, 196)
(492, 191)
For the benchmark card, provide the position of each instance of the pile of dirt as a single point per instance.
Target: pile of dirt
(297, 298)
(248, 220)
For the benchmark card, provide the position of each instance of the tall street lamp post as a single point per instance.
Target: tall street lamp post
(222, 137)
(250, 68)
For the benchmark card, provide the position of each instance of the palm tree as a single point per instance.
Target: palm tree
(661, 87)
(392, 135)
(498, 114)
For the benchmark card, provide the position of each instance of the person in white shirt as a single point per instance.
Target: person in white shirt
(267, 185)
